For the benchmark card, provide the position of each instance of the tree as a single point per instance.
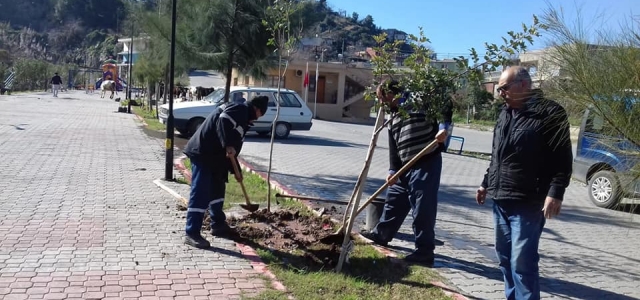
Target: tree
(285, 32)
(355, 16)
(600, 70)
(95, 14)
(368, 22)
(218, 34)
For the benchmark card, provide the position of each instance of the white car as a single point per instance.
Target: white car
(294, 113)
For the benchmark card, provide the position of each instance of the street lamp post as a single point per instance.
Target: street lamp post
(168, 172)
(129, 77)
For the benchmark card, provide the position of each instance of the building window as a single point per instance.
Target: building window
(246, 80)
(272, 81)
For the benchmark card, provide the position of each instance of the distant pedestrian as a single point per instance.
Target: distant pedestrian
(529, 171)
(56, 83)
(417, 189)
(220, 137)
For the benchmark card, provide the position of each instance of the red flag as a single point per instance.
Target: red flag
(306, 77)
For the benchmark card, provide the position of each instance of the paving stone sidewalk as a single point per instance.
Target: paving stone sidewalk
(80, 216)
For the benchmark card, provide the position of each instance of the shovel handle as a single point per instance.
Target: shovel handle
(236, 171)
(400, 172)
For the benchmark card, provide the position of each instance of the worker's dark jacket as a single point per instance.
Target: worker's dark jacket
(531, 156)
(224, 127)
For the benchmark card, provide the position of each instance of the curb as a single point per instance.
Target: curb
(278, 186)
(247, 252)
(141, 120)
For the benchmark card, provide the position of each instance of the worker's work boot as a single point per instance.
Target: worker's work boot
(223, 230)
(421, 257)
(197, 241)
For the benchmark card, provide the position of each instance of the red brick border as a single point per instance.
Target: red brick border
(260, 266)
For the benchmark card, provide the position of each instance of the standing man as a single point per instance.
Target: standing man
(529, 171)
(219, 137)
(417, 189)
(56, 83)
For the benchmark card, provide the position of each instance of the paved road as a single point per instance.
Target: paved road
(587, 253)
(474, 140)
(80, 217)
(206, 79)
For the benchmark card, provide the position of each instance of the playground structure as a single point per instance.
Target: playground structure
(107, 71)
(110, 72)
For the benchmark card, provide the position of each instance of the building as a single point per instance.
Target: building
(340, 88)
(139, 44)
(544, 64)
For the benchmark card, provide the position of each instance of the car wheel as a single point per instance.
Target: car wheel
(194, 124)
(604, 189)
(282, 130)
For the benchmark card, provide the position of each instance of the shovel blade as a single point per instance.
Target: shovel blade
(250, 207)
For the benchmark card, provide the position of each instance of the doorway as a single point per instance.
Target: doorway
(320, 88)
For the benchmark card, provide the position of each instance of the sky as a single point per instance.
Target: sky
(454, 26)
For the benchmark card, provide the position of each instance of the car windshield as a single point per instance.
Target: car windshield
(215, 97)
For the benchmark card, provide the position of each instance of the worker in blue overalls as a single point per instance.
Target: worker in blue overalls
(218, 138)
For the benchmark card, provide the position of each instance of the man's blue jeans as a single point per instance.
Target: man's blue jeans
(416, 191)
(207, 191)
(518, 227)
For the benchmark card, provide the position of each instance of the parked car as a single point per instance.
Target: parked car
(294, 113)
(603, 161)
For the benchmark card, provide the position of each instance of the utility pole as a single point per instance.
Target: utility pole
(129, 77)
(168, 172)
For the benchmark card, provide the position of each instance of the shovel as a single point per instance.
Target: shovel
(339, 235)
(248, 205)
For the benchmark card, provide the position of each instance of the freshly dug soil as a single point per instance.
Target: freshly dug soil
(293, 237)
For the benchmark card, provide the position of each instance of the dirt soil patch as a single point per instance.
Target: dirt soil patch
(293, 236)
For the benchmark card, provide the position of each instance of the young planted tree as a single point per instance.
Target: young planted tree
(599, 70)
(285, 34)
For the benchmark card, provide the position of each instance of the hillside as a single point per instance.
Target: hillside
(84, 32)
(348, 32)
(60, 31)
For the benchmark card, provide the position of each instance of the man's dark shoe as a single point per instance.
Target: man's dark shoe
(371, 236)
(197, 241)
(421, 258)
(221, 230)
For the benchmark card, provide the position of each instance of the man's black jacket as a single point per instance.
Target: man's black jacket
(531, 156)
(224, 127)
(56, 80)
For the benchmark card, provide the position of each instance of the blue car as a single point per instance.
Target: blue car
(606, 161)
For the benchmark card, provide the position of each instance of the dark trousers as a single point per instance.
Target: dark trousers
(207, 192)
(518, 227)
(416, 191)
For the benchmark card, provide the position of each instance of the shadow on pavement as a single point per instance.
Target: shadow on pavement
(226, 252)
(549, 285)
(302, 140)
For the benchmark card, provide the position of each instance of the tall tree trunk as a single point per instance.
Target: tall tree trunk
(228, 74)
(231, 50)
